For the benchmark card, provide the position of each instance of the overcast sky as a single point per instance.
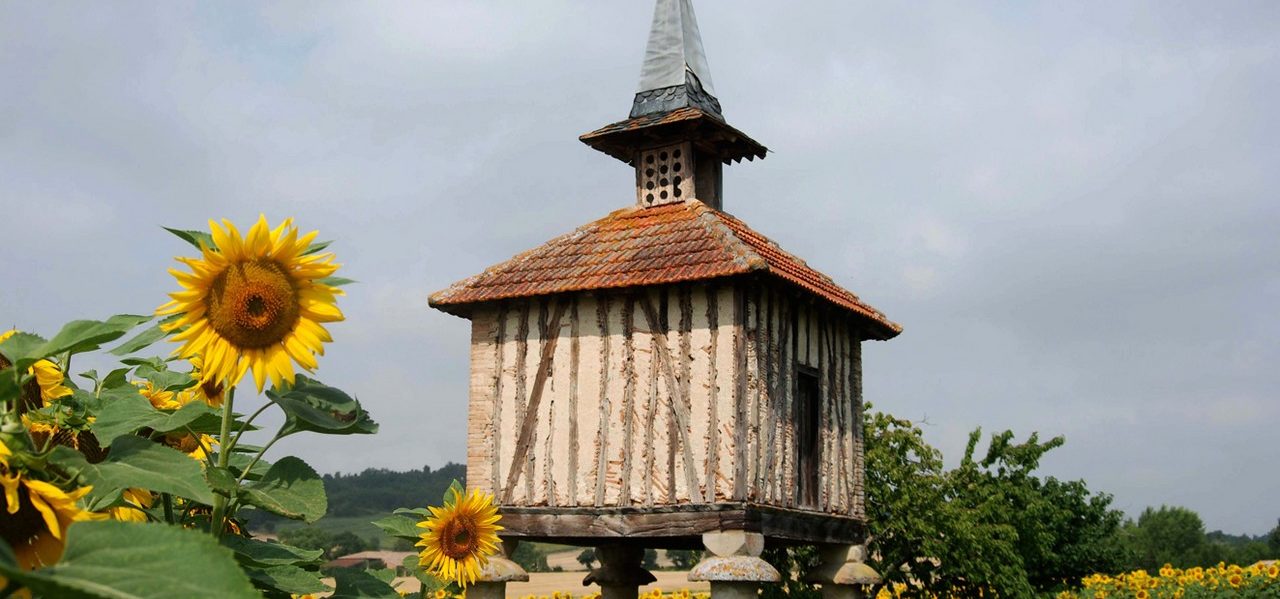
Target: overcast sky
(1071, 207)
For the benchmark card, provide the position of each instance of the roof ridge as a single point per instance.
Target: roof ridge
(778, 247)
(743, 253)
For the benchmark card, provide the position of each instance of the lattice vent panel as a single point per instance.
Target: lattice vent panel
(664, 175)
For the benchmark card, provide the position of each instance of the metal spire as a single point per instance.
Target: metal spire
(675, 73)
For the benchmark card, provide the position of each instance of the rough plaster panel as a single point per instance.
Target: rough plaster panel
(753, 399)
(725, 416)
(509, 429)
(639, 415)
(480, 433)
(616, 386)
(553, 432)
(699, 392)
(589, 380)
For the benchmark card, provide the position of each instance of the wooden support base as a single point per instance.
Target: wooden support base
(679, 526)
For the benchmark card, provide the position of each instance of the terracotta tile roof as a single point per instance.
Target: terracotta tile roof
(672, 243)
(709, 131)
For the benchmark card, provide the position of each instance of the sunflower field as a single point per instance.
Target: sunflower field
(1257, 581)
(130, 482)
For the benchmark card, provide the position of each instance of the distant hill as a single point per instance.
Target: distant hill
(378, 490)
(354, 499)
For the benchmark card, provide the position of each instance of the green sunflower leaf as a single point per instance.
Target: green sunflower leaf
(131, 412)
(289, 580)
(290, 488)
(335, 281)
(138, 462)
(399, 527)
(87, 335)
(318, 246)
(23, 350)
(355, 584)
(137, 561)
(266, 554)
(314, 406)
(144, 339)
(195, 238)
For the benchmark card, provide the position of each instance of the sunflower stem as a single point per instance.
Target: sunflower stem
(261, 452)
(245, 426)
(225, 448)
(168, 507)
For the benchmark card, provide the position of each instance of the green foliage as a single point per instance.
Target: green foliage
(683, 559)
(290, 488)
(530, 558)
(989, 525)
(126, 561)
(587, 557)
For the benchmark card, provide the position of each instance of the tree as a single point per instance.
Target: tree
(346, 543)
(989, 525)
(530, 558)
(308, 537)
(1169, 535)
(587, 557)
(1273, 540)
(650, 560)
(684, 559)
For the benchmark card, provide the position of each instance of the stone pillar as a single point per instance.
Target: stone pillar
(844, 573)
(494, 576)
(733, 566)
(619, 575)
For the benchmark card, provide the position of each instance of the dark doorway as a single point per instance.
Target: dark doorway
(808, 400)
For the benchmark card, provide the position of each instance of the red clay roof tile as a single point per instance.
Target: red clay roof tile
(672, 243)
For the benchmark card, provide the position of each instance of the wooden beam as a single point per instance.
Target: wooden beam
(495, 469)
(575, 351)
(602, 432)
(740, 392)
(713, 425)
(628, 395)
(680, 406)
(672, 524)
(529, 423)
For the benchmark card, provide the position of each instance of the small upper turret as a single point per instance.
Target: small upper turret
(676, 136)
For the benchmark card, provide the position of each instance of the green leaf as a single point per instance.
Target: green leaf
(417, 511)
(22, 350)
(130, 413)
(142, 340)
(399, 526)
(86, 335)
(355, 584)
(265, 554)
(239, 461)
(168, 380)
(137, 462)
(121, 560)
(314, 406)
(335, 281)
(220, 480)
(410, 564)
(195, 238)
(290, 488)
(455, 490)
(290, 580)
(317, 247)
(116, 378)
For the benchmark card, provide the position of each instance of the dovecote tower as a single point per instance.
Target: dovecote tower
(666, 376)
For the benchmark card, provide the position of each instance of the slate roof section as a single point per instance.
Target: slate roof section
(635, 246)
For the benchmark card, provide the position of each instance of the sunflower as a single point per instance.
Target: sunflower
(49, 379)
(254, 303)
(161, 399)
(34, 515)
(460, 537)
(136, 500)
